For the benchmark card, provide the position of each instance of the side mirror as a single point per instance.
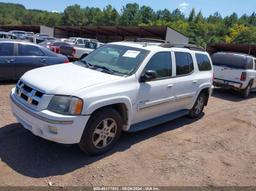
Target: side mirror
(148, 76)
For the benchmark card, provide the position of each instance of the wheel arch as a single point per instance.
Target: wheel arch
(122, 105)
(207, 90)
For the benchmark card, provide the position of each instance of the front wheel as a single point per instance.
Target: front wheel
(102, 132)
(198, 107)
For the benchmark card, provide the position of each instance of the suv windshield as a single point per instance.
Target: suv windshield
(119, 59)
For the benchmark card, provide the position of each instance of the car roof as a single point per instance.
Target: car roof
(234, 53)
(154, 46)
(17, 31)
(18, 42)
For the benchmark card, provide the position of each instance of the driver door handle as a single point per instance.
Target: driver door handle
(42, 59)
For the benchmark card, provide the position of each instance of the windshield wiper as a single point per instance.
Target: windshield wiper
(93, 66)
(86, 63)
(104, 68)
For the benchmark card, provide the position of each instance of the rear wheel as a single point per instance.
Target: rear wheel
(102, 132)
(246, 92)
(198, 107)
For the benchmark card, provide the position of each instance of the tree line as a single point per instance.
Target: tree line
(201, 30)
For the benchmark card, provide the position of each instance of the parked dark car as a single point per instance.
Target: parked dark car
(16, 58)
(60, 47)
(38, 38)
(21, 35)
(30, 36)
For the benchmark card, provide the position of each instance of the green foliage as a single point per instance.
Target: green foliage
(200, 30)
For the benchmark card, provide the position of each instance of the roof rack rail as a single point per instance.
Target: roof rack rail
(149, 40)
(188, 46)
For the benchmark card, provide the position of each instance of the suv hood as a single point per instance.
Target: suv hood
(65, 78)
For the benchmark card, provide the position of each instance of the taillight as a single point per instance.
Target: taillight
(57, 49)
(66, 61)
(243, 76)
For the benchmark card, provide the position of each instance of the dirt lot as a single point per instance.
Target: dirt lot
(218, 149)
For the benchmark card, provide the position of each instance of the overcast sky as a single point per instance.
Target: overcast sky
(225, 7)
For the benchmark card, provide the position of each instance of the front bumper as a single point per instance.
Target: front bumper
(49, 125)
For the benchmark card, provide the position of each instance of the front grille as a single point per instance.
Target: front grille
(28, 94)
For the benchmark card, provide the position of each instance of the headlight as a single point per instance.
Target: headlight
(66, 105)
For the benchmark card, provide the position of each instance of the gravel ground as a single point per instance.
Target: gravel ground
(217, 150)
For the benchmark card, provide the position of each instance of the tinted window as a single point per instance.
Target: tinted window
(6, 49)
(184, 63)
(203, 62)
(232, 60)
(161, 63)
(80, 41)
(91, 45)
(29, 50)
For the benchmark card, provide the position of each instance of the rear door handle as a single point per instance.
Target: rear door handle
(194, 81)
(170, 86)
(9, 60)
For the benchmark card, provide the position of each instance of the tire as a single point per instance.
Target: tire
(246, 92)
(198, 107)
(101, 132)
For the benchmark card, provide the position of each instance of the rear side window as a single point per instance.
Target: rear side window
(91, 45)
(203, 62)
(29, 50)
(162, 64)
(6, 49)
(184, 63)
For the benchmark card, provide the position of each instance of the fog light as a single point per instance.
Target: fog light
(53, 129)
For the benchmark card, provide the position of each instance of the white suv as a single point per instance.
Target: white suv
(122, 86)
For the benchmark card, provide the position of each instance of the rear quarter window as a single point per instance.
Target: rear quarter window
(203, 62)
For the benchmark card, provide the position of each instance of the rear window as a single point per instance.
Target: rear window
(6, 49)
(203, 62)
(232, 60)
